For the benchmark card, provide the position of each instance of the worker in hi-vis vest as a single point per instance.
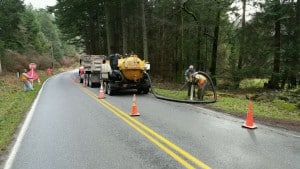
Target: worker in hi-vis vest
(201, 82)
(26, 81)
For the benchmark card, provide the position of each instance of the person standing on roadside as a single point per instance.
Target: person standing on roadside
(189, 78)
(25, 79)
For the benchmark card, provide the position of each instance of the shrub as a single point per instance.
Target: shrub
(252, 83)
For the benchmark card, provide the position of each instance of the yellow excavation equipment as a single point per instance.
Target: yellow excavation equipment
(127, 72)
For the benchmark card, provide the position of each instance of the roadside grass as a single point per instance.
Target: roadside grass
(253, 83)
(171, 93)
(180, 94)
(277, 109)
(14, 104)
(235, 102)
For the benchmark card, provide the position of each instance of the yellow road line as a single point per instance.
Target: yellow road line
(169, 143)
(164, 148)
(129, 120)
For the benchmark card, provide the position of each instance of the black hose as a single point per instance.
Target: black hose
(186, 101)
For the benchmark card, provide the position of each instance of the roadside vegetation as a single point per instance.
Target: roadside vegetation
(27, 36)
(275, 107)
(14, 103)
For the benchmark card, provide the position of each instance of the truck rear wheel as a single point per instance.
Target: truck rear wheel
(143, 90)
(109, 89)
(104, 87)
(87, 80)
(146, 90)
(90, 83)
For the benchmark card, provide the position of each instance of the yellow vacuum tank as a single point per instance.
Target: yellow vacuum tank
(132, 67)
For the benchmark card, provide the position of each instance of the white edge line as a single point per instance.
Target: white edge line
(24, 128)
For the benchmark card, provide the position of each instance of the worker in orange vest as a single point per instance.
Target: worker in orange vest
(201, 82)
(26, 80)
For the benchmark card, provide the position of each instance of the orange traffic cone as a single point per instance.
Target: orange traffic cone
(134, 111)
(101, 93)
(249, 121)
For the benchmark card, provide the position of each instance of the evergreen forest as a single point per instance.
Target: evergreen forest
(232, 40)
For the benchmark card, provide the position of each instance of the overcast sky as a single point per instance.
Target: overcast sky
(40, 3)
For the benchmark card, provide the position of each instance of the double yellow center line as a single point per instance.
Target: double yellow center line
(180, 155)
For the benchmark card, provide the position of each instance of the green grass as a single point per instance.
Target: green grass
(276, 109)
(252, 83)
(238, 104)
(179, 94)
(14, 103)
(171, 93)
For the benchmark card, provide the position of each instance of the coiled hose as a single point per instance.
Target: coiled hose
(186, 101)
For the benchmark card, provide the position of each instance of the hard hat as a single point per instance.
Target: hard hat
(191, 67)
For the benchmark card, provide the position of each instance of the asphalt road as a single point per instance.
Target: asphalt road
(70, 128)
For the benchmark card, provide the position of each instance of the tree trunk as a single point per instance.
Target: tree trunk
(275, 78)
(205, 64)
(199, 62)
(94, 34)
(182, 58)
(0, 67)
(87, 40)
(296, 45)
(144, 28)
(215, 48)
(108, 29)
(124, 28)
(237, 77)
(179, 60)
(242, 40)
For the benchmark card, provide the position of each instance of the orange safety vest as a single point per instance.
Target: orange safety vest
(201, 81)
(24, 78)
